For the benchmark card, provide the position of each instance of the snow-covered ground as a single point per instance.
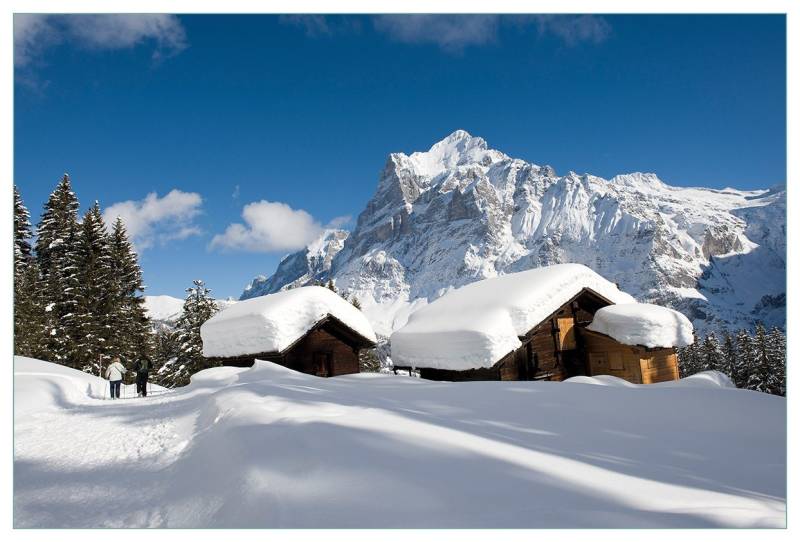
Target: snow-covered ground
(269, 447)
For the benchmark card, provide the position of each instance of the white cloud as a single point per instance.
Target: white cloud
(339, 221)
(319, 26)
(314, 25)
(574, 29)
(453, 33)
(33, 33)
(270, 226)
(158, 220)
(450, 32)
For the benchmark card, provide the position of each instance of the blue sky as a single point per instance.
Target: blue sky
(210, 114)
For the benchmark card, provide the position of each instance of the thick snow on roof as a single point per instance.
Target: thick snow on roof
(643, 324)
(273, 322)
(476, 325)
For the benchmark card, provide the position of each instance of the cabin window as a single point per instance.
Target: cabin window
(615, 362)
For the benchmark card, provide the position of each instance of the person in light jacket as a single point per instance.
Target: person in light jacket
(114, 375)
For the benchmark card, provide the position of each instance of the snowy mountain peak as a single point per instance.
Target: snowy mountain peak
(461, 212)
(457, 149)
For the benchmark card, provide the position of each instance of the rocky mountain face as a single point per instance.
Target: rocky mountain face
(462, 212)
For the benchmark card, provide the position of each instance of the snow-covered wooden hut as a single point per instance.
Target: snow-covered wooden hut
(539, 324)
(309, 329)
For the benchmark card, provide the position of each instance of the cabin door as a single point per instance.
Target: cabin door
(323, 362)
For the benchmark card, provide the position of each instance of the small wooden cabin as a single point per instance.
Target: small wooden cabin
(330, 348)
(554, 349)
(310, 330)
(559, 346)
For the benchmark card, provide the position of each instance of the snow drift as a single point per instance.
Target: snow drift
(273, 322)
(643, 324)
(269, 447)
(476, 325)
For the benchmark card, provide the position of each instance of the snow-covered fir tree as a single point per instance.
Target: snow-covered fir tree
(689, 361)
(165, 348)
(711, 354)
(56, 253)
(730, 360)
(752, 361)
(132, 339)
(22, 234)
(761, 377)
(29, 302)
(97, 325)
(197, 308)
(776, 347)
(745, 350)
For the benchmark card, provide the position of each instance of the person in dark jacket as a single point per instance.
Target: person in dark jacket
(142, 369)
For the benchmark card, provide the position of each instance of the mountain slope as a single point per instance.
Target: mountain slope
(461, 212)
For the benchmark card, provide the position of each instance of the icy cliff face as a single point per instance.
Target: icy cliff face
(462, 212)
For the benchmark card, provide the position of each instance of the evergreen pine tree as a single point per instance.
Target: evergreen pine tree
(761, 378)
(165, 353)
(56, 253)
(368, 361)
(22, 235)
(197, 308)
(776, 351)
(30, 337)
(330, 286)
(711, 354)
(729, 357)
(132, 339)
(745, 359)
(97, 294)
(355, 302)
(29, 333)
(689, 358)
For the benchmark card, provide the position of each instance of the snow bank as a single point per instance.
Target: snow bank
(44, 385)
(476, 325)
(273, 322)
(643, 324)
(267, 447)
(706, 379)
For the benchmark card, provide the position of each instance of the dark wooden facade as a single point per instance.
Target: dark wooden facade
(330, 348)
(560, 347)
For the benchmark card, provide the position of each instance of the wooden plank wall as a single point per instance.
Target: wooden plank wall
(659, 366)
(301, 356)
